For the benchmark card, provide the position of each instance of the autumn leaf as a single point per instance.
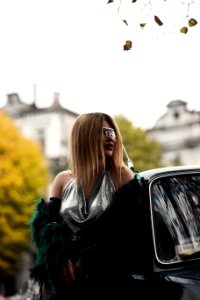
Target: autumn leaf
(158, 20)
(192, 22)
(184, 30)
(125, 22)
(127, 45)
(142, 25)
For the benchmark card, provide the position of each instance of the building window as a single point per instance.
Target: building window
(176, 115)
(41, 137)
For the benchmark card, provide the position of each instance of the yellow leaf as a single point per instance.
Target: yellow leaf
(192, 22)
(184, 30)
(127, 45)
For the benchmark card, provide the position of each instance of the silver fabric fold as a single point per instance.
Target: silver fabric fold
(77, 211)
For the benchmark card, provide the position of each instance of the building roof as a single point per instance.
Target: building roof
(15, 107)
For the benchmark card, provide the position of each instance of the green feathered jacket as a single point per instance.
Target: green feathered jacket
(111, 241)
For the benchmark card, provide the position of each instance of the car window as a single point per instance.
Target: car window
(176, 217)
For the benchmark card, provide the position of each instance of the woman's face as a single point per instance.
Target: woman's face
(109, 139)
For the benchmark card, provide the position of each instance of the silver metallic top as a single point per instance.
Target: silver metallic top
(78, 211)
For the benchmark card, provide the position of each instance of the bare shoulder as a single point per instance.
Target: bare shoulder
(59, 182)
(64, 175)
(127, 174)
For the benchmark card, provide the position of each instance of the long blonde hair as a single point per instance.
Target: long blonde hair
(87, 153)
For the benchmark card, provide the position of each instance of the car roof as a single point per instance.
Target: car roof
(165, 171)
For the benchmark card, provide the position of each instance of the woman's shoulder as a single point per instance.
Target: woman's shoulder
(63, 174)
(60, 181)
(126, 174)
(64, 177)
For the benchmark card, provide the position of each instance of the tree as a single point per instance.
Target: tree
(23, 179)
(142, 150)
(146, 12)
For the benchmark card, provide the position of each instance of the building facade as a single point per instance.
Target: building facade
(178, 131)
(50, 126)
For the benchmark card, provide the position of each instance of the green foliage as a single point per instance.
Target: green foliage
(23, 179)
(144, 151)
(177, 161)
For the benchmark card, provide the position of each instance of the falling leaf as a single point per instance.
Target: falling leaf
(142, 25)
(110, 1)
(125, 22)
(127, 45)
(184, 30)
(158, 20)
(192, 22)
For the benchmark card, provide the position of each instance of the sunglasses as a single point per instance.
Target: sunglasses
(109, 133)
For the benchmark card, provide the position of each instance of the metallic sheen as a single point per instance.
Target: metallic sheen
(77, 211)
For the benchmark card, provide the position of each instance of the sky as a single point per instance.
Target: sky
(75, 48)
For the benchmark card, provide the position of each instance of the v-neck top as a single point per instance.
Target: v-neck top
(77, 211)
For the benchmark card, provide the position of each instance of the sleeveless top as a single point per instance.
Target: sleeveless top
(77, 211)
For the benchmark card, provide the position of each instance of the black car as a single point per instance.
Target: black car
(168, 259)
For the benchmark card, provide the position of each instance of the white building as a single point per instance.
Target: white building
(50, 126)
(178, 131)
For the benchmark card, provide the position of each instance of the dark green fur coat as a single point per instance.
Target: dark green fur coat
(110, 243)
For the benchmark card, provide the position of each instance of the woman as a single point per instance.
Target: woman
(78, 199)
(96, 147)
